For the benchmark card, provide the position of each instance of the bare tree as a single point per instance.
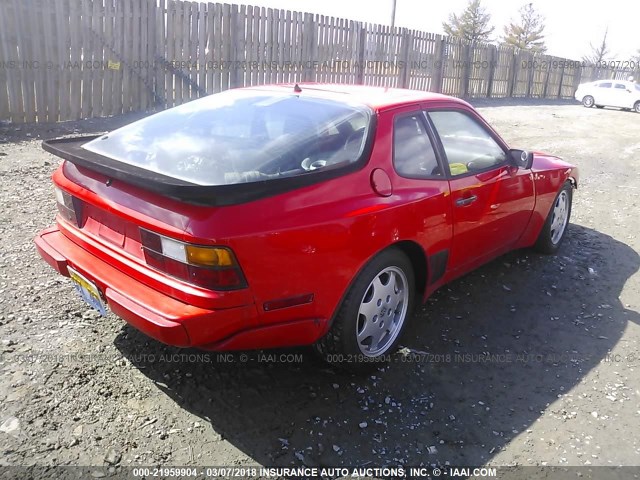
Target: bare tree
(599, 53)
(473, 24)
(526, 34)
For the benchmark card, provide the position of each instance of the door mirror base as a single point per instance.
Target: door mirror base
(521, 158)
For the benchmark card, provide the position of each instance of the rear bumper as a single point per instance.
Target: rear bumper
(150, 311)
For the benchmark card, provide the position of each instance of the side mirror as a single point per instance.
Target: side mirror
(521, 158)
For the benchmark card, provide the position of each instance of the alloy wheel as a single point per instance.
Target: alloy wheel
(382, 312)
(560, 217)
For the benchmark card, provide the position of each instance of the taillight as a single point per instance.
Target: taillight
(70, 208)
(215, 268)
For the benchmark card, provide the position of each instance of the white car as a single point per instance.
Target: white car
(610, 93)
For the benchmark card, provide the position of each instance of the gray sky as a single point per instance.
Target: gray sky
(570, 24)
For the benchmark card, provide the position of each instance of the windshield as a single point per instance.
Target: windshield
(241, 136)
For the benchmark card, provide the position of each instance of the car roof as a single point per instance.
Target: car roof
(378, 98)
(613, 80)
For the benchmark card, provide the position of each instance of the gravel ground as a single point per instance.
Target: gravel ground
(532, 360)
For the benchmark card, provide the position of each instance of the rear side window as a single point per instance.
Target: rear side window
(467, 145)
(413, 153)
(605, 85)
(241, 136)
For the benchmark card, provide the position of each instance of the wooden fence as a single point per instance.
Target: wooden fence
(72, 59)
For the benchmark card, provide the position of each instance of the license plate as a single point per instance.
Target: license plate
(88, 291)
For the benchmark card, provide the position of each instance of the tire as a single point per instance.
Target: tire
(588, 101)
(636, 107)
(555, 227)
(384, 291)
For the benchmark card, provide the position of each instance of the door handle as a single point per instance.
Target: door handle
(463, 202)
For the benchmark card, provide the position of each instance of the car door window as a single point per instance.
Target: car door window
(413, 153)
(605, 85)
(467, 144)
(620, 86)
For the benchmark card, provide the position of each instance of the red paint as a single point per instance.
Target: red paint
(290, 334)
(381, 183)
(310, 241)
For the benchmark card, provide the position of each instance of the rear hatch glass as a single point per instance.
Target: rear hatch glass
(242, 136)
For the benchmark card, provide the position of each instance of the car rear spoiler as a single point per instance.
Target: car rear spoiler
(70, 149)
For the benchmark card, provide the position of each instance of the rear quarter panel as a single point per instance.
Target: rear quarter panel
(316, 239)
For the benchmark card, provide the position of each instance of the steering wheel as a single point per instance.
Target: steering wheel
(355, 135)
(481, 162)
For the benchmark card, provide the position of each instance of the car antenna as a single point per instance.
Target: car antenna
(297, 89)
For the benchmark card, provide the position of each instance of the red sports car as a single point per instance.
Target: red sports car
(295, 214)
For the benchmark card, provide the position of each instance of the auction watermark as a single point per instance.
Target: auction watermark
(249, 65)
(544, 64)
(153, 358)
(524, 358)
(50, 65)
(428, 63)
(325, 472)
(280, 357)
(409, 356)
